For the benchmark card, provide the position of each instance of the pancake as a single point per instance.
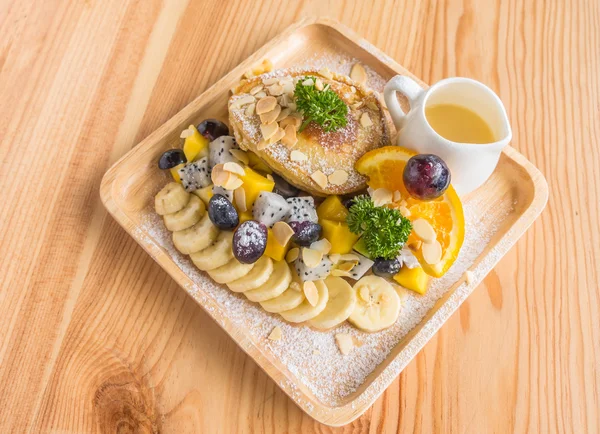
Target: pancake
(326, 163)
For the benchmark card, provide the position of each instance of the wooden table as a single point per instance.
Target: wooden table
(95, 337)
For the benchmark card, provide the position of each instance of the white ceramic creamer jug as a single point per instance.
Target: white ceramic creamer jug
(470, 164)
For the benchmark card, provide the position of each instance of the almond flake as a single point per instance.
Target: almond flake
(239, 197)
(233, 183)
(265, 105)
(250, 109)
(282, 233)
(240, 155)
(292, 254)
(319, 84)
(218, 175)
(283, 113)
(432, 252)
(275, 89)
(424, 230)
(344, 342)
(308, 82)
(365, 120)
(323, 246)
(352, 89)
(232, 167)
(358, 73)
(242, 101)
(284, 100)
(292, 106)
(340, 273)
(269, 130)
(320, 178)
(186, 133)
(277, 136)
(270, 81)
(311, 257)
(276, 334)
(263, 144)
(256, 89)
(357, 105)
(289, 139)
(270, 117)
(415, 245)
(261, 94)
(298, 156)
(335, 258)
(404, 211)
(381, 196)
(325, 72)
(295, 286)
(311, 293)
(288, 88)
(339, 177)
(269, 177)
(372, 105)
(346, 266)
(397, 196)
(469, 277)
(291, 120)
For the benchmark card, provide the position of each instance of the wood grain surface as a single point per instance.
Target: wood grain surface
(95, 337)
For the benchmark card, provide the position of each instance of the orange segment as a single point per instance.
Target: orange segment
(384, 167)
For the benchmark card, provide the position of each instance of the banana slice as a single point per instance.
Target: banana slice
(305, 311)
(256, 277)
(231, 271)
(290, 299)
(186, 217)
(278, 282)
(196, 238)
(216, 255)
(342, 300)
(170, 199)
(377, 304)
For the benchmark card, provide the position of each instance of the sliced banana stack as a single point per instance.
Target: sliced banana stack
(196, 238)
(170, 199)
(216, 255)
(306, 311)
(342, 301)
(186, 217)
(256, 277)
(278, 282)
(231, 271)
(292, 297)
(377, 304)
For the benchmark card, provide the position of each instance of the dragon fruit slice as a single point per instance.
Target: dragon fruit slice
(320, 272)
(359, 270)
(220, 190)
(270, 208)
(302, 209)
(196, 175)
(219, 150)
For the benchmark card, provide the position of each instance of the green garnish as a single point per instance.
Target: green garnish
(324, 107)
(384, 230)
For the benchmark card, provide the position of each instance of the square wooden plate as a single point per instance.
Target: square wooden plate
(512, 198)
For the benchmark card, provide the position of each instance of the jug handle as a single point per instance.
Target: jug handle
(406, 86)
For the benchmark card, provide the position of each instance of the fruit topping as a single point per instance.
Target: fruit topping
(219, 150)
(283, 187)
(171, 158)
(414, 279)
(318, 272)
(377, 304)
(306, 232)
(332, 208)
(340, 236)
(186, 217)
(249, 241)
(303, 209)
(196, 175)
(269, 208)
(171, 199)
(213, 129)
(426, 176)
(275, 249)
(254, 184)
(222, 213)
(363, 265)
(195, 146)
(386, 267)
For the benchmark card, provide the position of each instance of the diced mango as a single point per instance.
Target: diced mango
(195, 146)
(253, 184)
(205, 194)
(275, 250)
(414, 279)
(257, 164)
(175, 173)
(361, 247)
(339, 235)
(332, 209)
(245, 216)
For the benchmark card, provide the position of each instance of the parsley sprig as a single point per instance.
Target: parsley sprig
(324, 107)
(383, 229)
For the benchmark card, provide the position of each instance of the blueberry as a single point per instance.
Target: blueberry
(426, 176)
(222, 213)
(284, 188)
(171, 158)
(213, 129)
(249, 241)
(386, 267)
(306, 232)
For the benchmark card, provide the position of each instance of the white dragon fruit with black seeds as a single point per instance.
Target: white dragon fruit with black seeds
(219, 150)
(320, 272)
(196, 175)
(359, 270)
(302, 209)
(220, 190)
(270, 208)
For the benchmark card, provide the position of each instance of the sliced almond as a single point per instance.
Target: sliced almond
(397, 196)
(263, 144)
(340, 273)
(270, 177)
(319, 84)
(381, 196)
(469, 277)
(311, 293)
(352, 89)
(233, 182)
(358, 73)
(269, 130)
(293, 120)
(239, 197)
(250, 109)
(415, 245)
(275, 89)
(289, 139)
(372, 105)
(256, 89)
(344, 342)
(323, 246)
(320, 178)
(308, 82)
(424, 230)
(325, 72)
(292, 254)
(261, 94)
(270, 117)
(270, 81)
(298, 156)
(357, 105)
(218, 175)
(186, 133)
(365, 120)
(335, 258)
(288, 88)
(240, 155)
(404, 211)
(338, 177)
(276, 334)
(242, 101)
(277, 136)
(432, 252)
(350, 257)
(292, 106)
(346, 266)
(233, 167)
(265, 105)
(311, 257)
(284, 100)
(296, 286)
(283, 113)
(282, 233)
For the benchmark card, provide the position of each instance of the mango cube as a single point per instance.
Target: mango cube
(253, 184)
(205, 194)
(332, 209)
(195, 146)
(245, 216)
(339, 235)
(414, 279)
(257, 164)
(275, 250)
(175, 173)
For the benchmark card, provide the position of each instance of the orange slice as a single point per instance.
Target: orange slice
(384, 168)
